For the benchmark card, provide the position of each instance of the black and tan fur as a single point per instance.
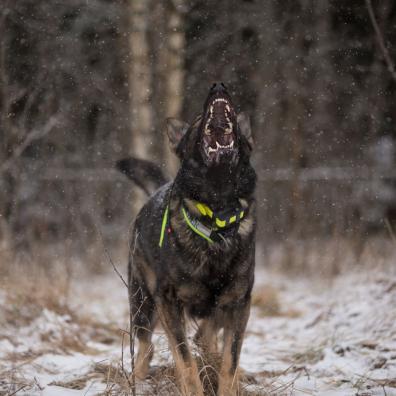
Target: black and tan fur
(187, 276)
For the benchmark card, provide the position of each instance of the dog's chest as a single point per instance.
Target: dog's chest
(203, 264)
(202, 286)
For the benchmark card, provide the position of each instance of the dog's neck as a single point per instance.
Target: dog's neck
(217, 186)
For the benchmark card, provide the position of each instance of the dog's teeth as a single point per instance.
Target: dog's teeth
(220, 100)
(218, 146)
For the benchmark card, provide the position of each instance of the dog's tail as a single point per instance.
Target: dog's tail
(145, 174)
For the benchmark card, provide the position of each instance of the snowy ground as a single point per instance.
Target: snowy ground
(324, 338)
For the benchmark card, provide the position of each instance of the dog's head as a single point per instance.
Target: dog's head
(218, 136)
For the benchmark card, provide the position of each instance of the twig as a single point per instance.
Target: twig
(114, 267)
(390, 229)
(122, 352)
(122, 360)
(106, 251)
(380, 40)
(33, 135)
(108, 376)
(18, 390)
(38, 384)
(132, 352)
(132, 336)
(132, 327)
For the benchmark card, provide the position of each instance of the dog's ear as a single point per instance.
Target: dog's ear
(243, 121)
(175, 129)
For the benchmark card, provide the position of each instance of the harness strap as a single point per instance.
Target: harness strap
(219, 230)
(163, 226)
(221, 219)
(197, 226)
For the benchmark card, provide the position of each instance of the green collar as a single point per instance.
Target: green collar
(197, 226)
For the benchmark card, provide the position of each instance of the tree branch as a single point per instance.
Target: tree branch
(33, 135)
(380, 40)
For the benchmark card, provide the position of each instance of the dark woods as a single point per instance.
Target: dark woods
(85, 83)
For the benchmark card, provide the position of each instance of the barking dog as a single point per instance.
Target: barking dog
(193, 245)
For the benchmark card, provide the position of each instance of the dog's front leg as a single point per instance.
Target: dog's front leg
(234, 330)
(172, 320)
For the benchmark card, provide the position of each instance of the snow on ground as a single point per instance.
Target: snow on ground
(333, 337)
(344, 339)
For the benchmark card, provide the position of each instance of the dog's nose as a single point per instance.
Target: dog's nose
(218, 87)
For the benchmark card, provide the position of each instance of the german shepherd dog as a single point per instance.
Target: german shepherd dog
(193, 247)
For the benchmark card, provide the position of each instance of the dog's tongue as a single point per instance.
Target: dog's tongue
(218, 106)
(219, 115)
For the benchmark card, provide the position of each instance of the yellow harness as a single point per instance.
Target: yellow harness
(221, 221)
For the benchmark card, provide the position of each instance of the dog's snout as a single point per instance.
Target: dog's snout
(218, 87)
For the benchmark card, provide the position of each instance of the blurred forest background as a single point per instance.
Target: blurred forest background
(84, 83)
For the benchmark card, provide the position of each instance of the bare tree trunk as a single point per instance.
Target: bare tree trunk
(140, 79)
(140, 88)
(167, 53)
(5, 198)
(175, 49)
(157, 45)
(3, 78)
(267, 124)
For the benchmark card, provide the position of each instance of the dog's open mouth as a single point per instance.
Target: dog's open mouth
(219, 129)
(219, 147)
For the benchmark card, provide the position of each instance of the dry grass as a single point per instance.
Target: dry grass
(309, 356)
(266, 299)
(29, 288)
(75, 384)
(14, 385)
(327, 257)
(162, 380)
(34, 285)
